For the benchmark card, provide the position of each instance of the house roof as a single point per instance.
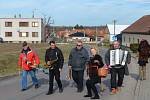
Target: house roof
(118, 28)
(140, 26)
(78, 34)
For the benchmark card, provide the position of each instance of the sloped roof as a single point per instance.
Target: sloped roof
(140, 26)
(78, 34)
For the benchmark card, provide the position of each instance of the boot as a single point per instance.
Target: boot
(102, 87)
(60, 90)
(88, 95)
(95, 97)
(36, 86)
(144, 72)
(118, 89)
(49, 93)
(113, 91)
(140, 73)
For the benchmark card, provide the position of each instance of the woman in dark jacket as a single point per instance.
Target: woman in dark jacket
(93, 78)
(144, 52)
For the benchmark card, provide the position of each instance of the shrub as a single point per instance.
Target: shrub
(134, 47)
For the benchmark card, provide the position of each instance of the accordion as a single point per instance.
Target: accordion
(118, 57)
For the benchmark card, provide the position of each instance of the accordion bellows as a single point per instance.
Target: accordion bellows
(118, 57)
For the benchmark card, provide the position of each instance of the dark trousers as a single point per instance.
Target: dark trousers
(56, 73)
(114, 73)
(90, 85)
(78, 78)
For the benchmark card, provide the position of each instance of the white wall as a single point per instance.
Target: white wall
(133, 38)
(81, 38)
(15, 29)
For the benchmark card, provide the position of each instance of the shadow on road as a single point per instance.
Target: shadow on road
(135, 76)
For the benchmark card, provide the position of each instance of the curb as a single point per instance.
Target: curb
(8, 77)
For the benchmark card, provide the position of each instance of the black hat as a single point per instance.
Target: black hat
(24, 44)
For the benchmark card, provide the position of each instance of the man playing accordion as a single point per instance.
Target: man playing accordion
(117, 59)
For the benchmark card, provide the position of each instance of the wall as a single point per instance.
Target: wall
(15, 29)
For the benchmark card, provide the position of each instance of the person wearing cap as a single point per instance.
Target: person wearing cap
(28, 60)
(54, 54)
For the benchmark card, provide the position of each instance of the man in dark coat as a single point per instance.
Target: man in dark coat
(54, 54)
(78, 59)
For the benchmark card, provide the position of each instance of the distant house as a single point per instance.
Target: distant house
(114, 31)
(101, 32)
(79, 36)
(17, 30)
(137, 31)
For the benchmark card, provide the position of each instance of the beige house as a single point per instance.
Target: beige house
(16, 30)
(137, 31)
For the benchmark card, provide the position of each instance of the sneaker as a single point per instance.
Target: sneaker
(113, 91)
(87, 95)
(60, 90)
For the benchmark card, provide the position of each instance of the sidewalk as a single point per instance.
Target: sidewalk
(143, 87)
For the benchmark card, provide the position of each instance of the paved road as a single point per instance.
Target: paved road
(10, 88)
(143, 87)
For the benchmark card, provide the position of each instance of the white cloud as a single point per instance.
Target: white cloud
(139, 1)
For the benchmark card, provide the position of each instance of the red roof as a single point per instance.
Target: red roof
(140, 26)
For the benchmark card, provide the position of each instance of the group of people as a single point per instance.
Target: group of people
(78, 62)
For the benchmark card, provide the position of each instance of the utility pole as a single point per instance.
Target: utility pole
(96, 35)
(114, 26)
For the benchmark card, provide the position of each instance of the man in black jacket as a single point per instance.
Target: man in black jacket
(54, 54)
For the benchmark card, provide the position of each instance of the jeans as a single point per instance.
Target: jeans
(24, 78)
(78, 78)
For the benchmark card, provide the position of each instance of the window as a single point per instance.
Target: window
(8, 34)
(138, 40)
(35, 24)
(34, 34)
(8, 24)
(23, 34)
(24, 24)
(124, 38)
(133, 39)
(129, 39)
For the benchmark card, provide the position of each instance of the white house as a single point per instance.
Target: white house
(137, 31)
(17, 30)
(114, 31)
(79, 36)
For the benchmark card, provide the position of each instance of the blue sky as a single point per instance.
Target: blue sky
(82, 12)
